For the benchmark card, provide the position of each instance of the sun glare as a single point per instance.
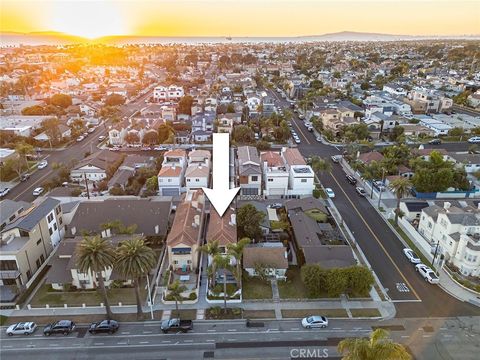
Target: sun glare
(88, 19)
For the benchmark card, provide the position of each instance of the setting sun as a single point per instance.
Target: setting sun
(87, 19)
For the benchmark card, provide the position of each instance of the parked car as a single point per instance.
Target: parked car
(115, 148)
(318, 138)
(80, 138)
(297, 140)
(474, 140)
(25, 177)
(351, 179)
(315, 322)
(427, 273)
(42, 164)
(411, 256)
(160, 148)
(377, 184)
(38, 191)
(336, 159)
(435, 142)
(101, 138)
(4, 192)
(91, 130)
(176, 325)
(329, 193)
(64, 327)
(360, 191)
(22, 328)
(104, 326)
(275, 206)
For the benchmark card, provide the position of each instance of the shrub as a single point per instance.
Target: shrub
(75, 192)
(192, 296)
(316, 193)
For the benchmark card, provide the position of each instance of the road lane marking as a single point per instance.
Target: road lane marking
(405, 336)
(188, 340)
(376, 238)
(32, 185)
(210, 340)
(146, 342)
(147, 332)
(121, 343)
(98, 343)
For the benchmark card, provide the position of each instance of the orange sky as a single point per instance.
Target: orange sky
(241, 17)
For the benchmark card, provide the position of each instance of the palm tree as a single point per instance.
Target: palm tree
(175, 290)
(236, 251)
(23, 150)
(400, 187)
(320, 165)
(96, 254)
(223, 262)
(212, 249)
(377, 346)
(134, 260)
(371, 172)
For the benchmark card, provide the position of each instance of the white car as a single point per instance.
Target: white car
(91, 130)
(411, 256)
(360, 191)
(80, 138)
(160, 148)
(474, 140)
(4, 192)
(427, 273)
(329, 193)
(297, 140)
(315, 322)
(101, 138)
(42, 164)
(23, 328)
(336, 158)
(38, 191)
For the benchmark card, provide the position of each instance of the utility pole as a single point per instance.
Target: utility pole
(150, 296)
(381, 188)
(86, 185)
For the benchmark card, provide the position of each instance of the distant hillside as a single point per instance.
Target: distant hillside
(39, 38)
(363, 36)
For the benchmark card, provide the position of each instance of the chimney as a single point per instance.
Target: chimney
(74, 230)
(446, 205)
(196, 219)
(233, 219)
(157, 229)
(108, 232)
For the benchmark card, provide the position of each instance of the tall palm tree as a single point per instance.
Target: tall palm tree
(175, 290)
(212, 249)
(320, 165)
(223, 262)
(377, 346)
(400, 187)
(371, 172)
(236, 251)
(134, 260)
(96, 254)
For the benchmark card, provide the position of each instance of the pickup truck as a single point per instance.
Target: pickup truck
(176, 325)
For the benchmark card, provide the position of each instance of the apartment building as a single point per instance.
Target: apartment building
(275, 174)
(163, 93)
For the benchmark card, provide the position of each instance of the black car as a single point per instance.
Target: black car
(435, 142)
(176, 325)
(64, 327)
(351, 179)
(104, 326)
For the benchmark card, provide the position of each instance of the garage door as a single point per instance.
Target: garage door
(277, 191)
(170, 192)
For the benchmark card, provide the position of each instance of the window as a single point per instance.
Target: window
(50, 218)
(38, 262)
(188, 180)
(29, 274)
(55, 226)
(197, 180)
(39, 241)
(60, 221)
(11, 218)
(169, 180)
(270, 180)
(42, 258)
(50, 231)
(57, 210)
(254, 178)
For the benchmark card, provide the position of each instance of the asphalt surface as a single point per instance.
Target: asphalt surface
(412, 295)
(426, 339)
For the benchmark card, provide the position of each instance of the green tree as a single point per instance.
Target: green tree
(114, 100)
(152, 184)
(462, 98)
(33, 110)
(336, 282)
(96, 255)
(132, 138)
(243, 134)
(397, 134)
(51, 128)
(248, 222)
(175, 291)
(150, 137)
(359, 279)
(377, 346)
(236, 251)
(371, 172)
(185, 105)
(165, 131)
(401, 188)
(23, 150)
(61, 100)
(212, 249)
(320, 165)
(134, 260)
(315, 279)
(456, 131)
(263, 145)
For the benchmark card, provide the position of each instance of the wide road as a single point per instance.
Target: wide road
(412, 295)
(426, 339)
(76, 151)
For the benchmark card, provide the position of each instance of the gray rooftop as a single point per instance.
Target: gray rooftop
(29, 219)
(9, 207)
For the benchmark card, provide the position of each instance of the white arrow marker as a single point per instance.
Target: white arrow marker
(221, 195)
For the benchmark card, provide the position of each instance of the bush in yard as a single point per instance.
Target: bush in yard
(75, 192)
(316, 193)
(314, 278)
(336, 282)
(192, 296)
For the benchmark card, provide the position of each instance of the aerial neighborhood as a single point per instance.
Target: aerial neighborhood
(357, 167)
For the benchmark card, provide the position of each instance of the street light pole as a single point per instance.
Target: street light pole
(150, 297)
(381, 188)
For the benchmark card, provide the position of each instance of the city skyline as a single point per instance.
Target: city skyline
(188, 18)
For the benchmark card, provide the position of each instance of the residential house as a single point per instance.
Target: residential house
(456, 232)
(225, 125)
(275, 174)
(202, 126)
(171, 175)
(470, 162)
(412, 210)
(116, 136)
(268, 106)
(249, 171)
(64, 133)
(197, 174)
(184, 238)
(368, 157)
(10, 211)
(268, 258)
(95, 166)
(26, 243)
(162, 93)
(300, 175)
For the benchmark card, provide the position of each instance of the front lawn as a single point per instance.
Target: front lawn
(254, 288)
(45, 295)
(301, 313)
(184, 314)
(293, 287)
(316, 215)
(259, 314)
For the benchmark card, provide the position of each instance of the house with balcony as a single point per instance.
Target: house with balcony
(225, 125)
(197, 174)
(26, 243)
(163, 93)
(456, 231)
(300, 175)
(171, 175)
(202, 126)
(275, 174)
(249, 171)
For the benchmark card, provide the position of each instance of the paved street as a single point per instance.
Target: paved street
(427, 339)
